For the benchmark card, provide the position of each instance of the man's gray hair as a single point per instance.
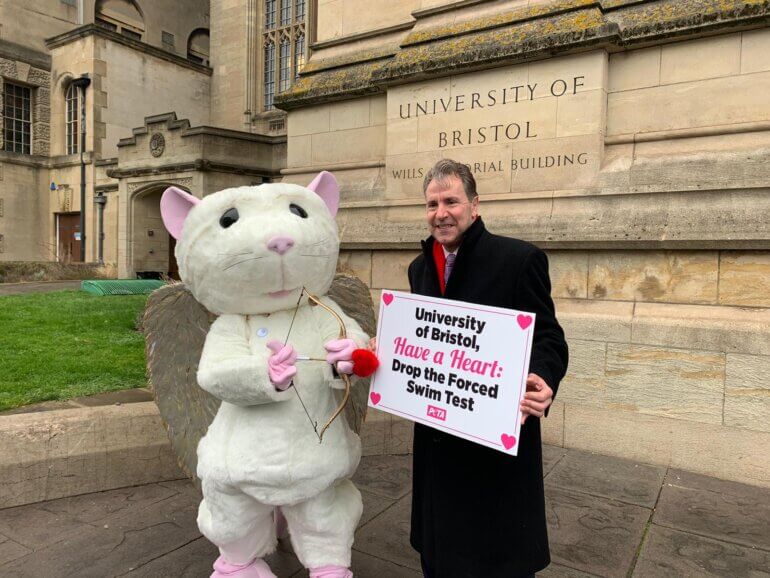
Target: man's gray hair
(446, 168)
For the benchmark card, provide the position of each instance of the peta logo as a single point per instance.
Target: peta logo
(436, 412)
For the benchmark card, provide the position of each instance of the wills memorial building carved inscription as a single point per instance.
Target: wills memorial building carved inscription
(531, 127)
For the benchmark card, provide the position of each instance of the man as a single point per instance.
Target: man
(477, 512)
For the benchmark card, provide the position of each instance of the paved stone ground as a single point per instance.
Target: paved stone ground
(607, 517)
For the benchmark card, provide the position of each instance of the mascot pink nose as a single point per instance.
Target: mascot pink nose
(280, 244)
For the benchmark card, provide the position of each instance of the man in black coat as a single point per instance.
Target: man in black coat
(477, 512)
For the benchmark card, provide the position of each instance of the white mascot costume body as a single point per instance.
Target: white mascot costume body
(247, 254)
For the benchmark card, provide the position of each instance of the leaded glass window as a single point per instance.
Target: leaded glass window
(285, 65)
(284, 46)
(269, 66)
(73, 116)
(299, 55)
(17, 119)
(286, 12)
(270, 14)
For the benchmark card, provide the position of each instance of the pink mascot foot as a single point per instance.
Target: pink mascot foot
(257, 568)
(330, 572)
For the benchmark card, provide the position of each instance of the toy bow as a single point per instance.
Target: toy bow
(345, 377)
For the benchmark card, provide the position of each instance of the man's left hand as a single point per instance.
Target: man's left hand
(537, 397)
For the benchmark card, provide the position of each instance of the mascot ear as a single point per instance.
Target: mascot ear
(326, 187)
(174, 206)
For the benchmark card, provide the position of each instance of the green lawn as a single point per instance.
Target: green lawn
(56, 346)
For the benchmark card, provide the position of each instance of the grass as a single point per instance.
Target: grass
(56, 346)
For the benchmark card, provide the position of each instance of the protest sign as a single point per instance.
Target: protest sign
(454, 366)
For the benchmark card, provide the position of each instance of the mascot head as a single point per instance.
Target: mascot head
(250, 250)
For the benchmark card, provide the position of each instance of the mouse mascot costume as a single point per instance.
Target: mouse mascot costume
(278, 356)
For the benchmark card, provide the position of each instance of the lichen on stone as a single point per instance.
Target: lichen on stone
(494, 21)
(517, 36)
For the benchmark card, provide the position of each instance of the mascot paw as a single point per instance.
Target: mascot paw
(257, 568)
(330, 572)
(341, 354)
(280, 365)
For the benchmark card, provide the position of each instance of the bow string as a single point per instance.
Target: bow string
(345, 378)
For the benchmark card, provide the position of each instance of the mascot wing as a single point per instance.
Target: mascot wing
(354, 298)
(175, 327)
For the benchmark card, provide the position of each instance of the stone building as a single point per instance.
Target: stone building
(628, 138)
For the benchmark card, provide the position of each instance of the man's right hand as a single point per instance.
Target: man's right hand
(373, 345)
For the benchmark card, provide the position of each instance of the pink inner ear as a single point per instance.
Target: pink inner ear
(326, 187)
(174, 206)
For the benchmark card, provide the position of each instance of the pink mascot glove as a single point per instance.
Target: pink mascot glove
(280, 365)
(341, 353)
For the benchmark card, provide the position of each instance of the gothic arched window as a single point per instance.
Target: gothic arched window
(73, 118)
(198, 46)
(284, 46)
(122, 16)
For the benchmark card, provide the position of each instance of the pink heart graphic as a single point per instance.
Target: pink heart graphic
(375, 397)
(508, 441)
(387, 298)
(524, 321)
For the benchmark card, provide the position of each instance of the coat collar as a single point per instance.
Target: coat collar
(466, 250)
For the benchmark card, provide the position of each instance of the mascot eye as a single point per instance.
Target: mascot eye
(297, 210)
(229, 217)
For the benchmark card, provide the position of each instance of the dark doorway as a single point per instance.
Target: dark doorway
(173, 267)
(68, 231)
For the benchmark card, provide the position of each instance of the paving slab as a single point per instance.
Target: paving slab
(387, 536)
(118, 544)
(387, 476)
(559, 571)
(34, 526)
(669, 553)
(551, 456)
(604, 476)
(365, 566)
(10, 550)
(717, 508)
(45, 523)
(374, 505)
(596, 535)
(192, 560)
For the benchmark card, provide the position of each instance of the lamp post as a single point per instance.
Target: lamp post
(82, 83)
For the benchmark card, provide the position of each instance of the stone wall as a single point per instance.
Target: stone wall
(24, 198)
(658, 242)
(24, 193)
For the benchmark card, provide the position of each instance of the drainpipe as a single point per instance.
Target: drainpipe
(100, 200)
(82, 83)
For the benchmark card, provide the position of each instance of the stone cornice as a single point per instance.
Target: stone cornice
(521, 35)
(173, 124)
(198, 165)
(13, 51)
(361, 36)
(94, 30)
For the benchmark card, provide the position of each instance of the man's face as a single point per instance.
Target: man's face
(449, 212)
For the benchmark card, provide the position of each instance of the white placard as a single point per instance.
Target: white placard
(454, 366)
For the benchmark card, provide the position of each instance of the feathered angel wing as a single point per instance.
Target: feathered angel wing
(175, 327)
(354, 298)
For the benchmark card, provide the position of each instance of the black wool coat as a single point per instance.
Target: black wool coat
(477, 512)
